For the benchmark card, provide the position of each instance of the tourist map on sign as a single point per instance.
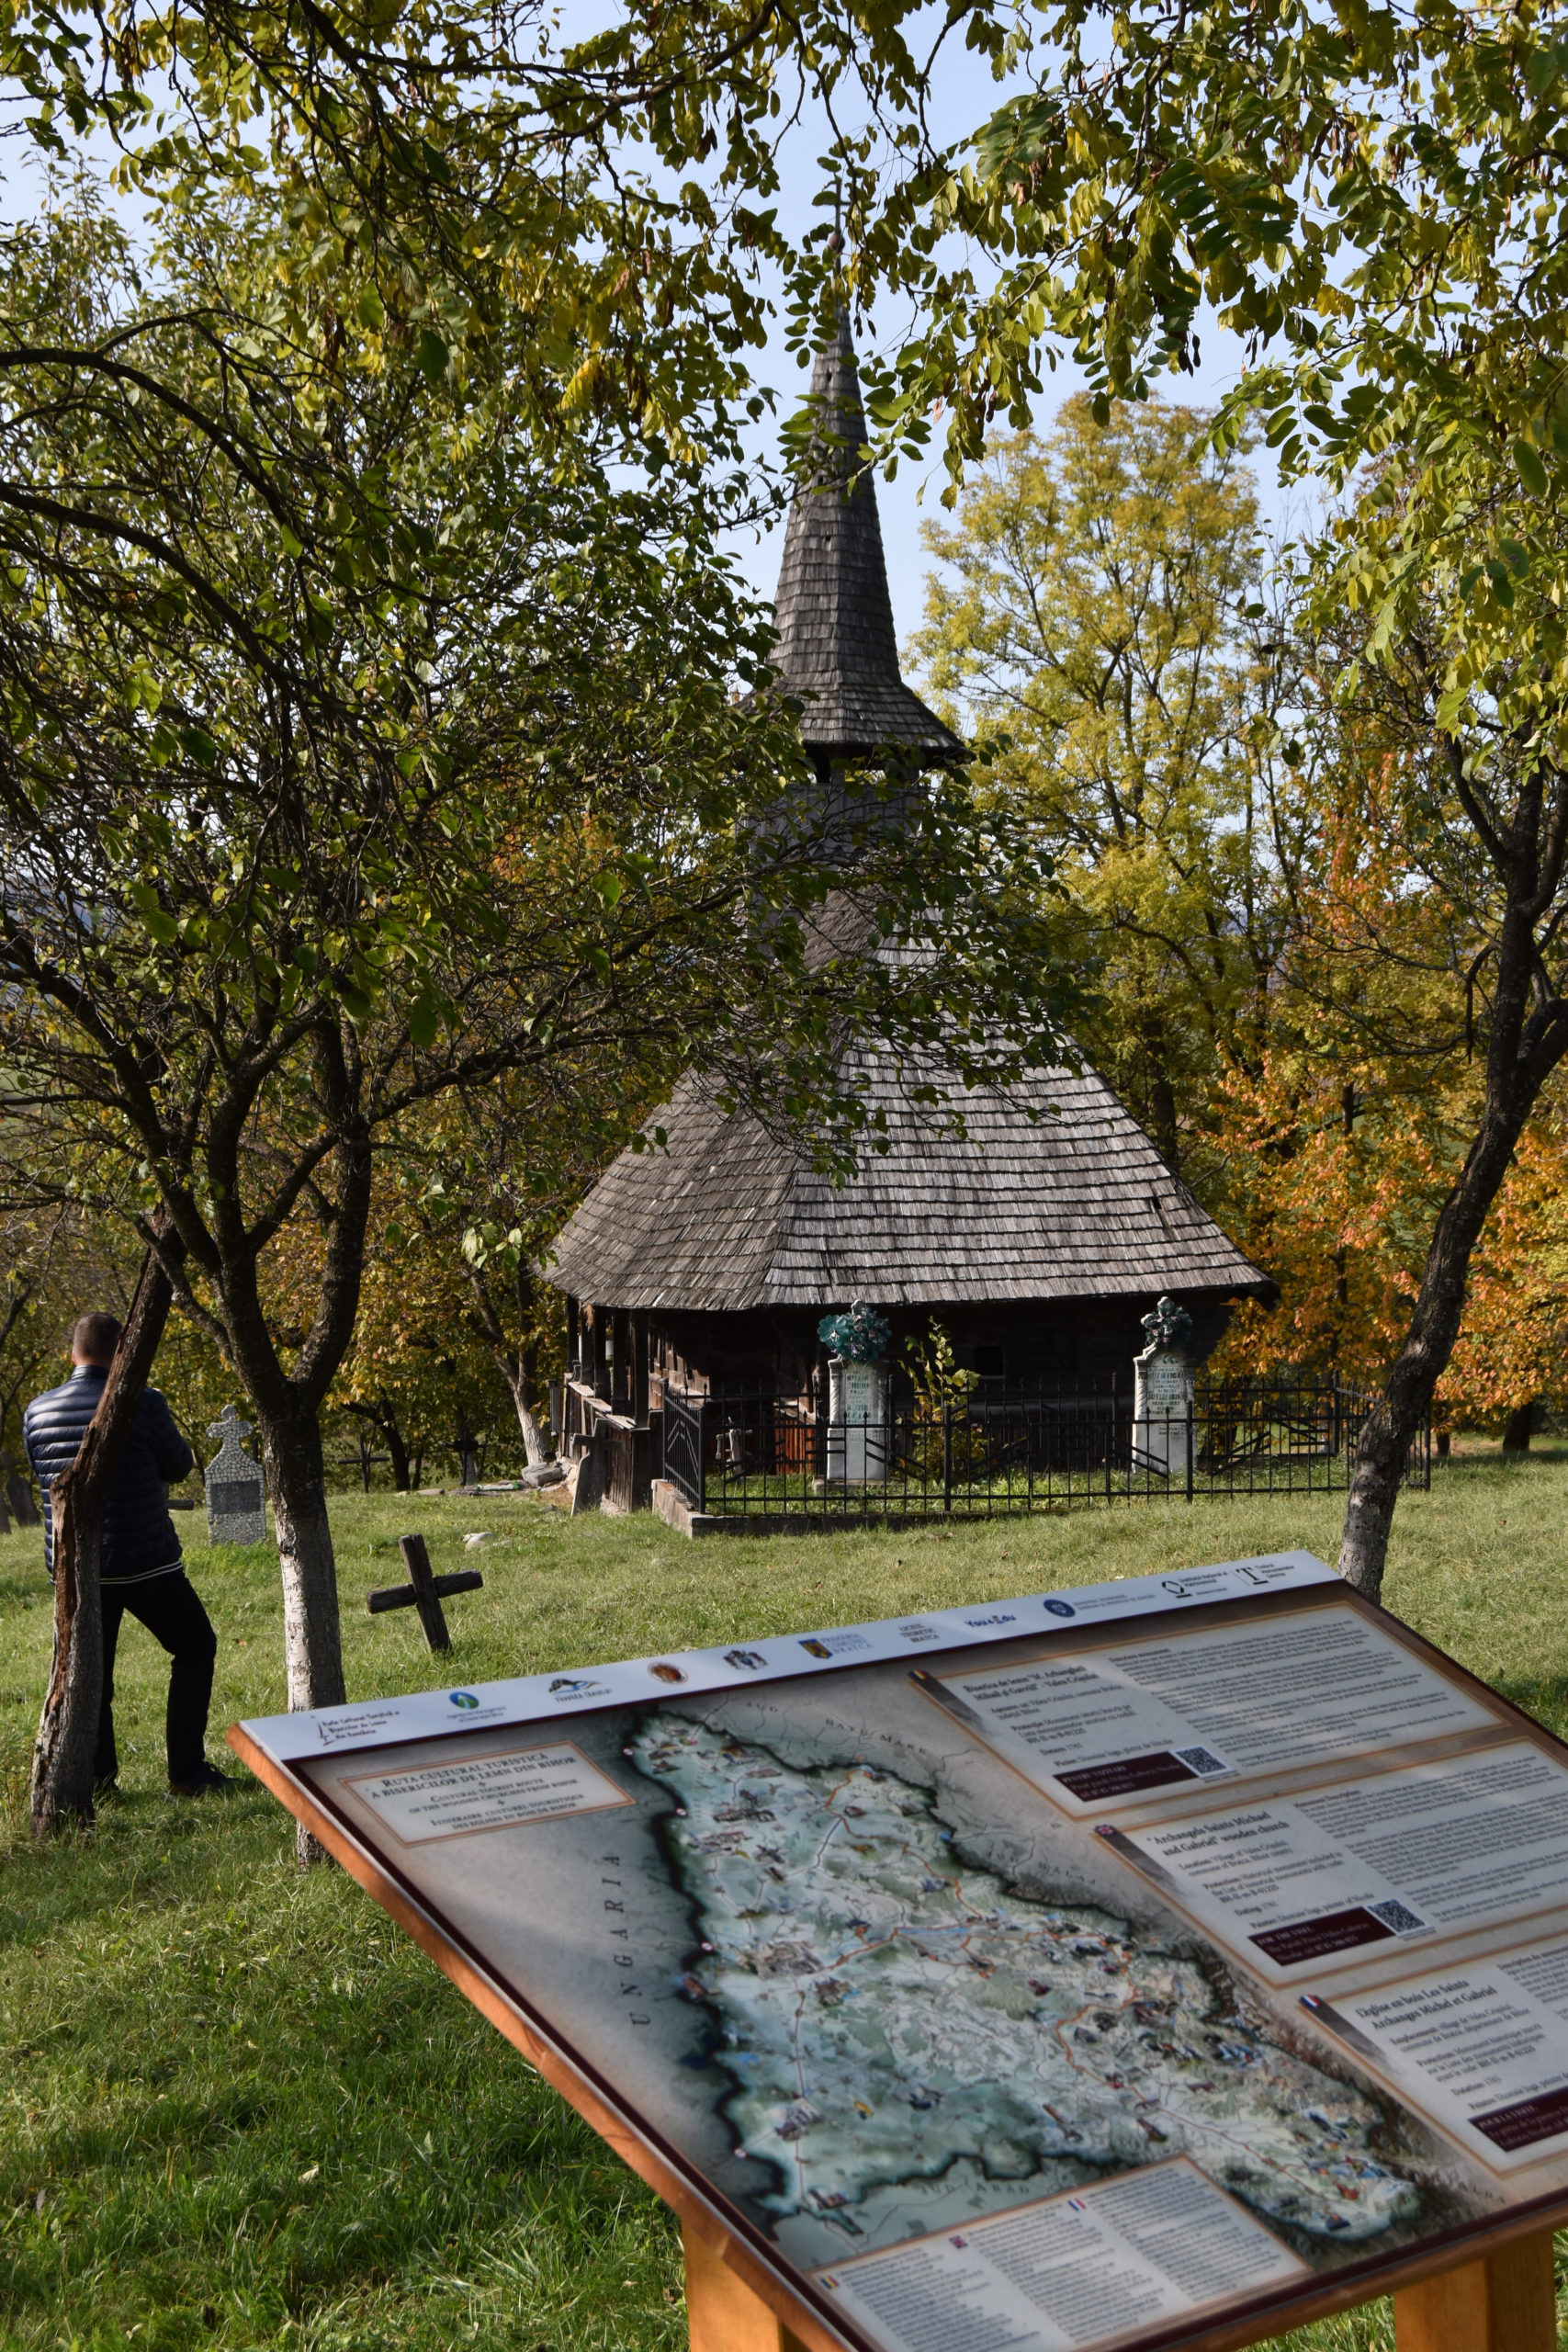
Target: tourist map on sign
(888, 2010)
(1039, 1976)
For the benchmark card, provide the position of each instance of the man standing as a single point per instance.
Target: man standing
(140, 1565)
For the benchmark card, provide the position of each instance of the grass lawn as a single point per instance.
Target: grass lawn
(240, 2110)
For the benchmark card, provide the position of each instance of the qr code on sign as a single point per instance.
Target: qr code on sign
(1201, 1760)
(1395, 1915)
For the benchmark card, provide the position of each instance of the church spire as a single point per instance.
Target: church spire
(836, 651)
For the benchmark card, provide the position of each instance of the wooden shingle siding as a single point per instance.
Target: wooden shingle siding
(838, 652)
(1074, 1202)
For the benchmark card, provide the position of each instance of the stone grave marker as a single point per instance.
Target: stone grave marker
(236, 1489)
(1165, 1388)
(859, 1409)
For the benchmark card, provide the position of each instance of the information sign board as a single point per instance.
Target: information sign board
(1151, 1964)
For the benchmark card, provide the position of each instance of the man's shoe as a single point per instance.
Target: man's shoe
(207, 1780)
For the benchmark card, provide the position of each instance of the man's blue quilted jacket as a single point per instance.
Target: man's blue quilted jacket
(139, 1534)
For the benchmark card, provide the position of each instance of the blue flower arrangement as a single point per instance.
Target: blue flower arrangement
(860, 1337)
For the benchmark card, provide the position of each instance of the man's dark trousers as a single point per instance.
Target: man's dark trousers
(172, 1611)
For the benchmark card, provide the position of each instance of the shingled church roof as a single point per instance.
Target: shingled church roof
(1075, 1204)
(837, 650)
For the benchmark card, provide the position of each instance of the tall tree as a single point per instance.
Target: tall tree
(1101, 620)
(1421, 1020)
(1375, 202)
(352, 761)
(1475, 820)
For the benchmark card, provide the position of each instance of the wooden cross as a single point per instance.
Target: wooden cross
(424, 1591)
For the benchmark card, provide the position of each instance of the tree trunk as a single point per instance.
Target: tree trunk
(383, 1419)
(5, 1514)
(68, 1728)
(515, 1364)
(1527, 1040)
(1347, 1107)
(1519, 1428)
(313, 1641)
(1526, 1043)
(533, 1445)
(399, 1452)
(19, 1495)
(1422, 1360)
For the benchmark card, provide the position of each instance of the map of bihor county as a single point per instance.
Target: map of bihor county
(886, 2009)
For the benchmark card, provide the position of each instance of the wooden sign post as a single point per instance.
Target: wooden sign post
(424, 1591)
(1507, 2302)
(1149, 1967)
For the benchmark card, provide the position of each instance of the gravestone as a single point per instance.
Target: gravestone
(858, 1403)
(1164, 1389)
(236, 1491)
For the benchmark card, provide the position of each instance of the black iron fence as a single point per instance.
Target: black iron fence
(744, 1453)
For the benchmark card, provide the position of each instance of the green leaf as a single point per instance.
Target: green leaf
(1530, 471)
(373, 314)
(423, 1021)
(432, 354)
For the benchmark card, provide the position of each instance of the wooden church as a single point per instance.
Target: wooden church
(1038, 1244)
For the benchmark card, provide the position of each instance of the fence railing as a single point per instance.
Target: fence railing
(745, 1453)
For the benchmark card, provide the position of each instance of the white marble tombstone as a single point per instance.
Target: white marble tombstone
(236, 1491)
(1163, 1393)
(859, 1399)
